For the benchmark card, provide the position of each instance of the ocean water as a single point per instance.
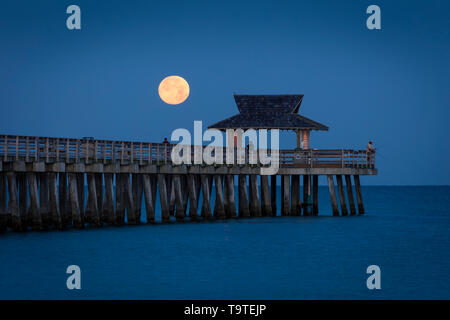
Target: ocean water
(405, 231)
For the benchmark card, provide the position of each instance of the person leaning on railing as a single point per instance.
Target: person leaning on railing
(370, 151)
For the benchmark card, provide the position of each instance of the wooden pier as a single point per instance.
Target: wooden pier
(43, 180)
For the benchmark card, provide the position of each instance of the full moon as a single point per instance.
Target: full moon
(173, 90)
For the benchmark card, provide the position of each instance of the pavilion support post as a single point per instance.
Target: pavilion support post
(315, 195)
(149, 198)
(129, 203)
(273, 194)
(180, 211)
(219, 208)
(120, 199)
(92, 214)
(43, 198)
(341, 192)
(206, 204)
(351, 199)
(332, 195)
(13, 205)
(163, 196)
(358, 194)
(137, 189)
(295, 195)
(230, 196)
(193, 196)
(3, 212)
(255, 204)
(244, 210)
(286, 194)
(35, 217)
(23, 198)
(54, 209)
(266, 207)
(108, 201)
(78, 219)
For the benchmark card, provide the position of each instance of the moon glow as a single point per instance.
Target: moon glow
(173, 90)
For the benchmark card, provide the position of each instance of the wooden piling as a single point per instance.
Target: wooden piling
(332, 195)
(78, 218)
(120, 199)
(81, 193)
(64, 202)
(266, 205)
(129, 204)
(273, 194)
(35, 217)
(99, 188)
(108, 201)
(149, 198)
(219, 208)
(306, 195)
(282, 209)
(351, 199)
(341, 193)
(255, 203)
(137, 190)
(358, 194)
(230, 209)
(54, 209)
(3, 213)
(92, 213)
(179, 212)
(206, 204)
(163, 196)
(13, 205)
(171, 194)
(23, 199)
(295, 196)
(193, 196)
(286, 194)
(315, 195)
(244, 210)
(43, 199)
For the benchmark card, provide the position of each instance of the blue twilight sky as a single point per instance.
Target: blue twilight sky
(389, 85)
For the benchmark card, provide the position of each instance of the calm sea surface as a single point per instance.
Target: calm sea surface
(405, 231)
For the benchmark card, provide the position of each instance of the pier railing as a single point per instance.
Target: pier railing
(47, 149)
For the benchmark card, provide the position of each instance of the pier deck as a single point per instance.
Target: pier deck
(42, 183)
